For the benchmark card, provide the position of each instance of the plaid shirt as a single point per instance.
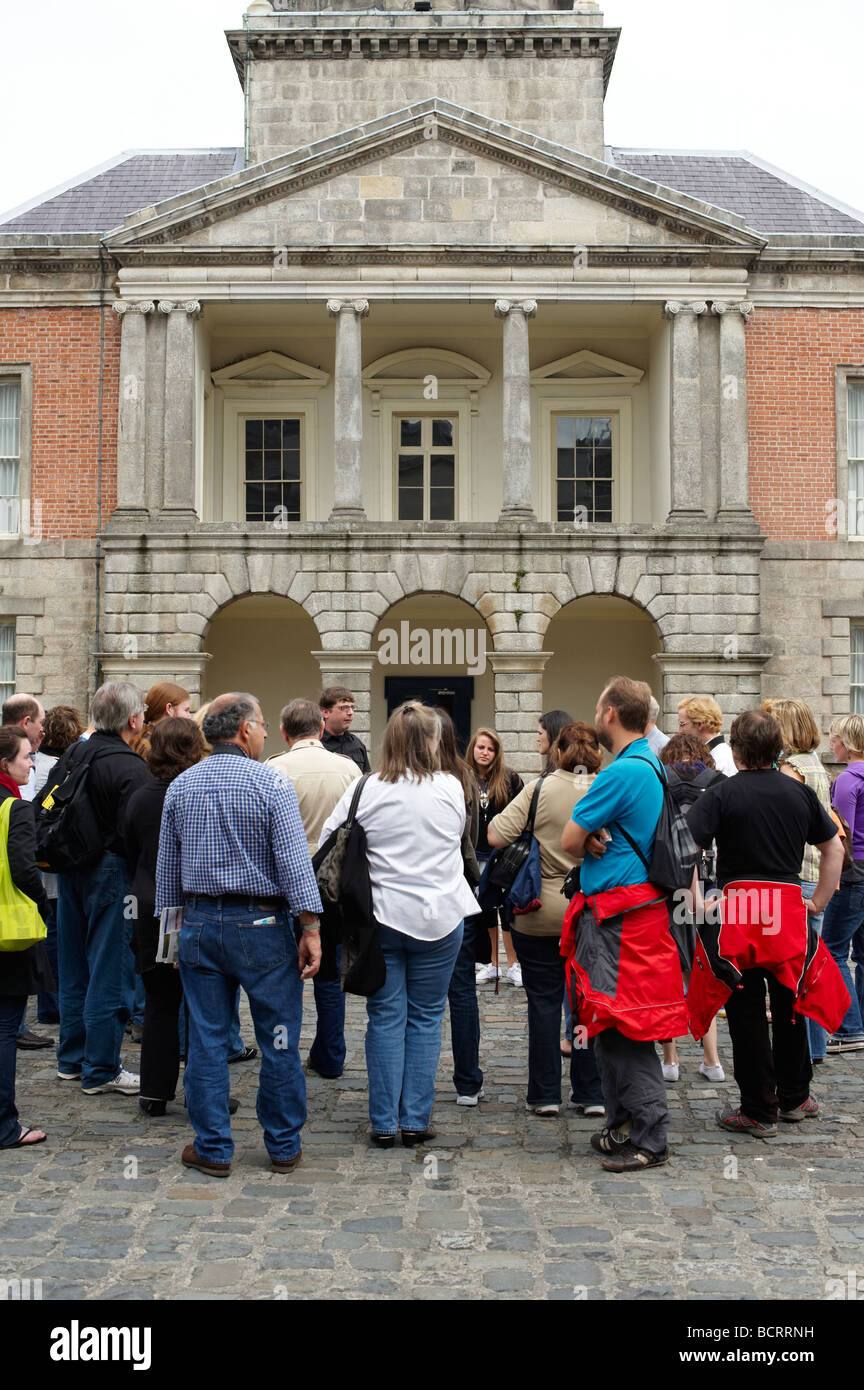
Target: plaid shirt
(232, 826)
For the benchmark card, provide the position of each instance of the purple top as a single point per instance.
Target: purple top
(847, 797)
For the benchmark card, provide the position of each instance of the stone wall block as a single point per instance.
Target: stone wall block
(406, 568)
(603, 570)
(475, 585)
(836, 685)
(831, 646)
(260, 569)
(236, 573)
(646, 592)
(578, 569)
(189, 622)
(487, 604)
(303, 584)
(362, 621)
(660, 564)
(840, 628)
(501, 622)
(220, 591)
(631, 568)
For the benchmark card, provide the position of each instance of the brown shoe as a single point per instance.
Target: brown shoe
(190, 1159)
(285, 1165)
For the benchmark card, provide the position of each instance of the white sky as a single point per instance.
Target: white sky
(781, 78)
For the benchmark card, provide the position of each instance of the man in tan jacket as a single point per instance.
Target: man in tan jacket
(319, 778)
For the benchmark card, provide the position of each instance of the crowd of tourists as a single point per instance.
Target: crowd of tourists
(195, 880)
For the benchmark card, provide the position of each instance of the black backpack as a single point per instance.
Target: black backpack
(68, 832)
(676, 853)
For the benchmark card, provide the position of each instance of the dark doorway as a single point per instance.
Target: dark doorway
(453, 693)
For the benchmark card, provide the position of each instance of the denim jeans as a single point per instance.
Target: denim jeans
(842, 927)
(543, 969)
(12, 1010)
(465, 1015)
(327, 1053)
(403, 1032)
(236, 1045)
(816, 1035)
(92, 937)
(219, 949)
(47, 1003)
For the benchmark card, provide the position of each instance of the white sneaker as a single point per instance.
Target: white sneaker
(489, 972)
(545, 1111)
(712, 1073)
(670, 1071)
(126, 1083)
(471, 1100)
(514, 974)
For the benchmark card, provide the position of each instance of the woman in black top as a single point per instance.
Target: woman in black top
(22, 973)
(497, 785)
(549, 726)
(175, 745)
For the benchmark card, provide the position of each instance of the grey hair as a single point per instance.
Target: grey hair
(225, 724)
(113, 706)
(301, 719)
(653, 710)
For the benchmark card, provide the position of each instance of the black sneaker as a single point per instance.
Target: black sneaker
(610, 1141)
(629, 1159)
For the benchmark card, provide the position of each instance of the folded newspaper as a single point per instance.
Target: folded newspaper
(170, 922)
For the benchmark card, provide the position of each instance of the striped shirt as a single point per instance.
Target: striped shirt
(232, 826)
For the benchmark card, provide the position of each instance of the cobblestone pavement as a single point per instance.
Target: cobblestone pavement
(501, 1204)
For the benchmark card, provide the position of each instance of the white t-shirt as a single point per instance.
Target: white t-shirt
(414, 835)
(723, 760)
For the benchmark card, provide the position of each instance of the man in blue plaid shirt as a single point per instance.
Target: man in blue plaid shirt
(233, 854)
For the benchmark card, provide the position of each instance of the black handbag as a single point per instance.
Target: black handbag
(342, 870)
(506, 863)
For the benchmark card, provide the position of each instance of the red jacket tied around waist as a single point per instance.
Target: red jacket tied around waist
(623, 969)
(762, 925)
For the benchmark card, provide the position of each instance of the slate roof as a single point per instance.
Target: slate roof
(768, 200)
(135, 180)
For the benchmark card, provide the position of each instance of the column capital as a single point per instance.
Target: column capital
(742, 307)
(360, 307)
(131, 306)
(673, 307)
(192, 307)
(503, 307)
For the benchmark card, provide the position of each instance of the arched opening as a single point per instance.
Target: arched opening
(591, 639)
(263, 644)
(433, 647)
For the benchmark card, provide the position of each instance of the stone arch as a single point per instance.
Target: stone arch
(454, 662)
(262, 642)
(591, 638)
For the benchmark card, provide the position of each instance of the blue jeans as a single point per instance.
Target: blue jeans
(327, 1053)
(92, 937)
(236, 1044)
(219, 949)
(816, 1035)
(465, 1015)
(12, 1010)
(403, 1033)
(47, 1003)
(842, 926)
(543, 974)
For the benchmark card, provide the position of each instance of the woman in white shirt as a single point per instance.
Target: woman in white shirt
(413, 816)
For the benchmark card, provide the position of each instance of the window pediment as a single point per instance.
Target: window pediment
(270, 369)
(588, 368)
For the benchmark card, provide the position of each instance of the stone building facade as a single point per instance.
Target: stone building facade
(425, 351)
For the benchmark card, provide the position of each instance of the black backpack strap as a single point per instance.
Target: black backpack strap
(532, 810)
(631, 842)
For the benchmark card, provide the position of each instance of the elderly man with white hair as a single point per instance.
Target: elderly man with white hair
(93, 919)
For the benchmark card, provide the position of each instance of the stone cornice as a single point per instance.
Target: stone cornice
(595, 257)
(450, 36)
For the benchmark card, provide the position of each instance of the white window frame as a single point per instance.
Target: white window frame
(844, 375)
(856, 629)
(12, 626)
(282, 405)
(29, 515)
(618, 409)
(435, 414)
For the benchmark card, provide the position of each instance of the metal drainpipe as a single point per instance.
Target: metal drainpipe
(95, 667)
(247, 62)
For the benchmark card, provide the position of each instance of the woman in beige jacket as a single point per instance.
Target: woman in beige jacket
(537, 935)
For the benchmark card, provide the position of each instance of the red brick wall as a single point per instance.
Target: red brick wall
(791, 356)
(62, 346)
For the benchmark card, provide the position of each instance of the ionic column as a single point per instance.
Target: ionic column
(687, 501)
(516, 421)
(734, 473)
(348, 410)
(132, 414)
(178, 490)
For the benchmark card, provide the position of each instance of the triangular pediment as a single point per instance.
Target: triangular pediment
(269, 369)
(433, 174)
(589, 367)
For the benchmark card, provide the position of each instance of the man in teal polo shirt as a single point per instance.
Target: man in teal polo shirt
(626, 964)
